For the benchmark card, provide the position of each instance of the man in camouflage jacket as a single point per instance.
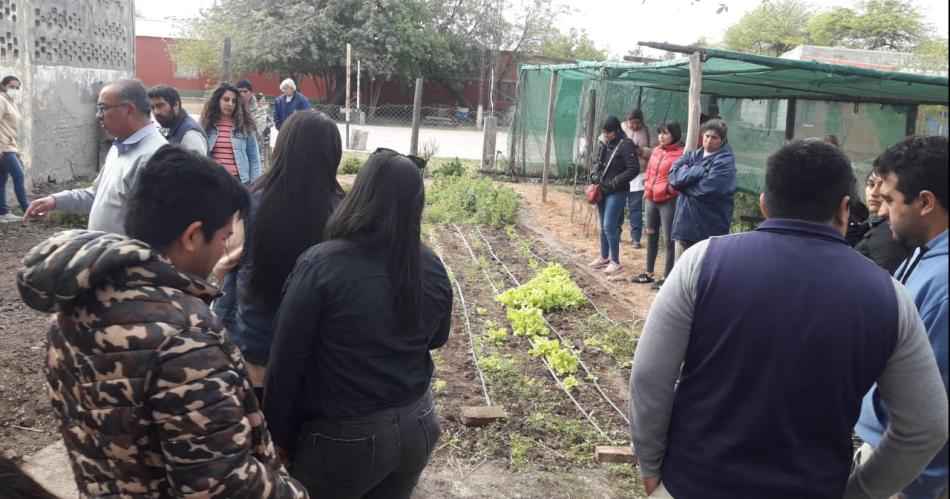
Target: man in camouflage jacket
(154, 400)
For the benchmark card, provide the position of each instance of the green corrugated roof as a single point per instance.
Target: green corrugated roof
(748, 76)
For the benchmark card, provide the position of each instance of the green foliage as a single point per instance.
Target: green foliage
(570, 383)
(464, 199)
(439, 385)
(453, 168)
(746, 204)
(527, 321)
(618, 341)
(563, 361)
(551, 289)
(877, 25)
(498, 336)
(350, 166)
(71, 220)
(931, 56)
(571, 45)
(771, 28)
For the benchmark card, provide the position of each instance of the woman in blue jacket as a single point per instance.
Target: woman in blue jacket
(706, 181)
(232, 136)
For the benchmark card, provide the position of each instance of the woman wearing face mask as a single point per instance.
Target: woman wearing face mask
(232, 140)
(878, 243)
(10, 164)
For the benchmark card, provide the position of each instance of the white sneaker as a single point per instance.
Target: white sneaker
(599, 263)
(613, 268)
(9, 217)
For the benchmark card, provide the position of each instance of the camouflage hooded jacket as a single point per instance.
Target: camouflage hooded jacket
(153, 399)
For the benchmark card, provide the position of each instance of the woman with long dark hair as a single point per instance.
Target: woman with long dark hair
(290, 206)
(232, 136)
(347, 388)
(660, 200)
(10, 164)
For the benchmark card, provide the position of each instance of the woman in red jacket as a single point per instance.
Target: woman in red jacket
(660, 199)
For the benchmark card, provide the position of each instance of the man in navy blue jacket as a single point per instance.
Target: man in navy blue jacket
(749, 374)
(706, 181)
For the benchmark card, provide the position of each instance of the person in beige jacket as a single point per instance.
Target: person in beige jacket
(10, 164)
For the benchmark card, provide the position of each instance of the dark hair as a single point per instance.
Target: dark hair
(17, 484)
(212, 111)
(295, 200)
(611, 124)
(673, 128)
(133, 92)
(383, 214)
(806, 180)
(162, 91)
(176, 188)
(636, 114)
(717, 126)
(7, 79)
(920, 164)
(244, 84)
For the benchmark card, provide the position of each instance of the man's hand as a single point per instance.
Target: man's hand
(651, 484)
(40, 209)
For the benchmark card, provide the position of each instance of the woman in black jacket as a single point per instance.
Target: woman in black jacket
(616, 166)
(347, 386)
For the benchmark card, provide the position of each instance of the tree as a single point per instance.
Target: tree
(771, 28)
(571, 45)
(930, 56)
(877, 25)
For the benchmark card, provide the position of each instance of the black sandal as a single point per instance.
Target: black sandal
(643, 278)
(658, 284)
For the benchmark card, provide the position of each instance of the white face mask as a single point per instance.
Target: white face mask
(13, 92)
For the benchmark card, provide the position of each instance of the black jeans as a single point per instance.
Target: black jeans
(380, 455)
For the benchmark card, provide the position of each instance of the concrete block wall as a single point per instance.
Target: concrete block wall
(64, 51)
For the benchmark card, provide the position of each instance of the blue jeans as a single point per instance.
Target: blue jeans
(635, 213)
(10, 165)
(610, 210)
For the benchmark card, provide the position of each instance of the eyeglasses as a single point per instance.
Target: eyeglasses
(419, 162)
(101, 108)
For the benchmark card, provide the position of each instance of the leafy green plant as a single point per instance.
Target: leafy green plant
(498, 336)
(72, 220)
(570, 383)
(439, 385)
(563, 361)
(527, 321)
(462, 199)
(453, 168)
(544, 347)
(350, 166)
(551, 289)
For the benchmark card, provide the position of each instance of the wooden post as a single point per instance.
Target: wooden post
(695, 92)
(346, 98)
(790, 119)
(591, 136)
(416, 118)
(226, 60)
(548, 136)
(488, 144)
(911, 128)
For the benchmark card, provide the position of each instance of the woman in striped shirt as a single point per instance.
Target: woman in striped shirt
(232, 140)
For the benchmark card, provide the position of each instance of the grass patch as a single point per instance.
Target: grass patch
(470, 200)
(618, 341)
(69, 220)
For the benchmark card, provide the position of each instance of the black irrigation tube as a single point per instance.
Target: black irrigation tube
(544, 360)
(468, 328)
(545, 261)
(556, 332)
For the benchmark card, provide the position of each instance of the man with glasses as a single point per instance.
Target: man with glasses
(123, 111)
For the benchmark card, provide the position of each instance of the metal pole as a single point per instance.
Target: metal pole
(695, 92)
(226, 60)
(548, 136)
(416, 118)
(358, 115)
(346, 98)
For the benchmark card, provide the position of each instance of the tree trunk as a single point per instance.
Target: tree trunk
(460, 99)
(338, 94)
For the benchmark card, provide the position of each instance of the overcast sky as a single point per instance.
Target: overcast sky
(619, 24)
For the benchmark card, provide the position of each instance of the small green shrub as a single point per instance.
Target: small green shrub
(350, 166)
(463, 199)
(71, 220)
(453, 168)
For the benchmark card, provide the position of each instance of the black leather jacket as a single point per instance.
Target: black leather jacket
(623, 168)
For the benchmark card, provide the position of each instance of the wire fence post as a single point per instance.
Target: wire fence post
(548, 136)
(695, 92)
(347, 97)
(416, 118)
